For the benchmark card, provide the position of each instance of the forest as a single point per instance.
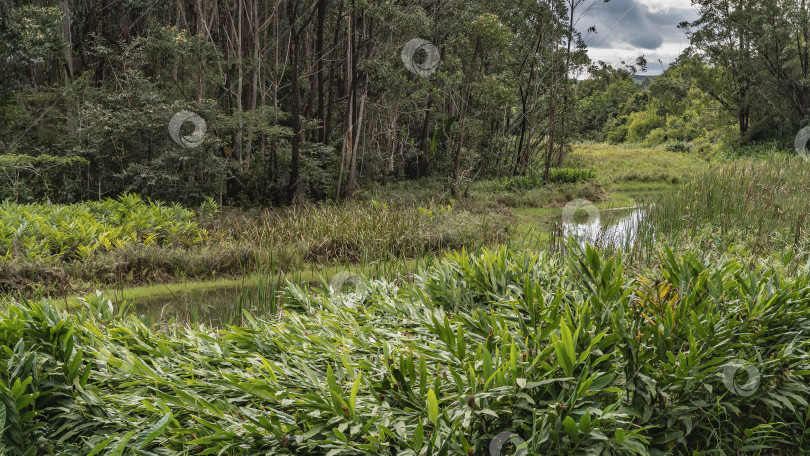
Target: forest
(310, 100)
(404, 227)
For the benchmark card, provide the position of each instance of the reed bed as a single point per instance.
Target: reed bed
(765, 198)
(753, 210)
(358, 231)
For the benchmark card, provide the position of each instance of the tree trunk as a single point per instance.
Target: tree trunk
(353, 161)
(295, 143)
(462, 116)
(348, 135)
(319, 58)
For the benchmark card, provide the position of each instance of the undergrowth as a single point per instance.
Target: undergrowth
(573, 355)
(62, 249)
(535, 180)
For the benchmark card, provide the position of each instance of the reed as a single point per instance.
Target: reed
(752, 210)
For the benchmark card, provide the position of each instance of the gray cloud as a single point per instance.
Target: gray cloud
(629, 28)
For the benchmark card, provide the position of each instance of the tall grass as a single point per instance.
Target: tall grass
(753, 210)
(133, 242)
(573, 355)
(360, 230)
(757, 207)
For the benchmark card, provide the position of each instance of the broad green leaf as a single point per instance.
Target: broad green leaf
(433, 407)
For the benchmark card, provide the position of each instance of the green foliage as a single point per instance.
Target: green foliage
(755, 210)
(617, 135)
(608, 99)
(102, 85)
(535, 180)
(29, 178)
(674, 108)
(357, 231)
(44, 232)
(30, 35)
(573, 356)
(641, 124)
(61, 248)
(679, 146)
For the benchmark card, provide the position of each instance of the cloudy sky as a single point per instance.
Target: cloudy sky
(627, 29)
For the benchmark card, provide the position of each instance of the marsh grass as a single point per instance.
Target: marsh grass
(755, 207)
(357, 230)
(765, 197)
(753, 210)
(226, 244)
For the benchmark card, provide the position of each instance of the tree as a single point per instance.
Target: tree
(723, 36)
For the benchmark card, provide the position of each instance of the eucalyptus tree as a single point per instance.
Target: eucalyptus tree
(723, 36)
(781, 35)
(301, 97)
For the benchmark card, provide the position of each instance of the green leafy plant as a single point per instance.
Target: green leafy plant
(556, 176)
(51, 233)
(570, 354)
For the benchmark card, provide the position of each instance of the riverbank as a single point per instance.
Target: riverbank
(394, 224)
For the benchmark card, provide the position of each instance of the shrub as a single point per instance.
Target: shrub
(556, 176)
(679, 146)
(656, 137)
(569, 354)
(617, 134)
(641, 124)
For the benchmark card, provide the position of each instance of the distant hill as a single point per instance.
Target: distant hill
(643, 80)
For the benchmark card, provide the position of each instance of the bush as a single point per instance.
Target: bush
(656, 137)
(568, 354)
(679, 146)
(641, 124)
(535, 180)
(617, 134)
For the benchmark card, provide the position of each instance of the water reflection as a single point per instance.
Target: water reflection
(611, 228)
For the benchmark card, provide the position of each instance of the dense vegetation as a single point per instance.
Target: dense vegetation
(311, 99)
(53, 233)
(302, 98)
(753, 209)
(433, 146)
(61, 248)
(743, 80)
(576, 357)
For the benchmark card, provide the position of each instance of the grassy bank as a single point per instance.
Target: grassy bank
(573, 356)
(233, 243)
(129, 242)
